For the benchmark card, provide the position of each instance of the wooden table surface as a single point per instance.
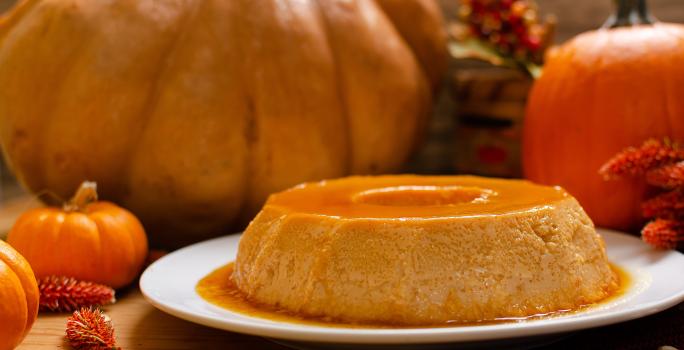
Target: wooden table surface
(138, 325)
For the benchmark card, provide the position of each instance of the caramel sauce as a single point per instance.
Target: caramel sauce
(411, 196)
(219, 289)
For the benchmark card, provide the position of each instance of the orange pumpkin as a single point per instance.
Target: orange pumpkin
(190, 112)
(18, 297)
(599, 93)
(89, 240)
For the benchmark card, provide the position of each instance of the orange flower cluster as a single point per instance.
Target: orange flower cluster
(663, 233)
(90, 329)
(638, 161)
(63, 294)
(668, 205)
(667, 176)
(511, 27)
(662, 165)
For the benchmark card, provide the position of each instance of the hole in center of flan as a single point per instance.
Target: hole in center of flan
(423, 195)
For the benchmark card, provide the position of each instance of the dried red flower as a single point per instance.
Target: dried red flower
(64, 294)
(669, 205)
(510, 27)
(667, 176)
(637, 161)
(90, 329)
(663, 233)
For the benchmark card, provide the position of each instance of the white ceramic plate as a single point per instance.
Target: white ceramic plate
(657, 283)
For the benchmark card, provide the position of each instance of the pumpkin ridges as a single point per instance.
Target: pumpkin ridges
(339, 88)
(420, 24)
(79, 240)
(242, 30)
(291, 137)
(164, 62)
(119, 257)
(407, 22)
(47, 229)
(657, 96)
(673, 97)
(102, 243)
(137, 235)
(13, 309)
(24, 132)
(19, 267)
(205, 119)
(29, 287)
(130, 77)
(61, 15)
(376, 111)
(9, 18)
(131, 249)
(564, 124)
(104, 89)
(56, 13)
(663, 74)
(341, 93)
(597, 96)
(57, 242)
(72, 15)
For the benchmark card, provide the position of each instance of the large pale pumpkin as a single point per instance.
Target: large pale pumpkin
(18, 297)
(599, 93)
(190, 112)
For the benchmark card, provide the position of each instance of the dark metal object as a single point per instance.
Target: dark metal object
(629, 13)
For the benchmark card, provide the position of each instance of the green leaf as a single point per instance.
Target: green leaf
(534, 70)
(477, 49)
(472, 48)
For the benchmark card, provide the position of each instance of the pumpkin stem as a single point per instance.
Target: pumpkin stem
(86, 194)
(629, 13)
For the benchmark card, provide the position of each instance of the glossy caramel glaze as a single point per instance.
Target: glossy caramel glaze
(409, 196)
(218, 288)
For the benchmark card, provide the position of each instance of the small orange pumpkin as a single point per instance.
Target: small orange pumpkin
(599, 93)
(89, 240)
(18, 297)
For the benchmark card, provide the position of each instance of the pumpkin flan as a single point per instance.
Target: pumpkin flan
(422, 250)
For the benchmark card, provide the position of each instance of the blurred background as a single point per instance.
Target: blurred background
(487, 146)
(574, 16)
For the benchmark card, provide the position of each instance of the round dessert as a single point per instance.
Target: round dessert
(423, 250)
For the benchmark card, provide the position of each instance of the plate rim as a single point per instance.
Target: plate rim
(424, 335)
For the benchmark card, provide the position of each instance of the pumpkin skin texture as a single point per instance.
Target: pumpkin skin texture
(599, 93)
(100, 242)
(18, 297)
(208, 106)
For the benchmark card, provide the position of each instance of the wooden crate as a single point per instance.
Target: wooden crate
(489, 109)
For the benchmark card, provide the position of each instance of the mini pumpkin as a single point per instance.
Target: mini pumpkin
(18, 297)
(89, 240)
(599, 93)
